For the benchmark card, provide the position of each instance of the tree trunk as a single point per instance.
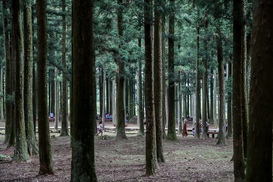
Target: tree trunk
(120, 83)
(58, 98)
(204, 84)
(140, 115)
(20, 152)
(211, 120)
(171, 135)
(221, 134)
(163, 109)
(2, 115)
(9, 132)
(45, 155)
(83, 106)
(238, 146)
(229, 105)
(151, 159)
(64, 130)
(260, 138)
(28, 80)
(158, 80)
(198, 100)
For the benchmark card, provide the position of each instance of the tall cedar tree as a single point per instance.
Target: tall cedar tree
(221, 78)
(28, 79)
(140, 113)
(84, 113)
(158, 79)
(171, 87)
(205, 83)
(229, 104)
(198, 100)
(259, 151)
(238, 152)
(20, 152)
(151, 159)
(64, 131)
(45, 154)
(120, 80)
(9, 128)
(163, 109)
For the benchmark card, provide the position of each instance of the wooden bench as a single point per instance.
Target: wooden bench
(212, 133)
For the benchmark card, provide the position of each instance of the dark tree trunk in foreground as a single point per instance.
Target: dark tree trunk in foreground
(120, 82)
(84, 113)
(20, 152)
(171, 135)
(259, 151)
(64, 130)
(45, 155)
(151, 159)
(238, 152)
(28, 79)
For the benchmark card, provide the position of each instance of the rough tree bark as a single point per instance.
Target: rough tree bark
(64, 130)
(20, 152)
(171, 135)
(221, 135)
(158, 100)
(151, 159)
(238, 146)
(120, 127)
(45, 154)
(83, 106)
(28, 80)
(259, 151)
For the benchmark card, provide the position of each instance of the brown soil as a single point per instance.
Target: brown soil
(187, 159)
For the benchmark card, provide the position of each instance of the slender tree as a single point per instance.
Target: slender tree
(83, 107)
(45, 154)
(28, 79)
(9, 128)
(261, 116)
(158, 79)
(20, 152)
(171, 135)
(140, 95)
(197, 87)
(205, 83)
(151, 159)
(64, 130)
(229, 104)
(221, 135)
(120, 80)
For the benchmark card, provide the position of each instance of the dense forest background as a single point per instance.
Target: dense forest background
(151, 62)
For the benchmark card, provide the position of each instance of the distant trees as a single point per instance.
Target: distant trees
(119, 29)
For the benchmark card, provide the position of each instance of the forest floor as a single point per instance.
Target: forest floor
(187, 159)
